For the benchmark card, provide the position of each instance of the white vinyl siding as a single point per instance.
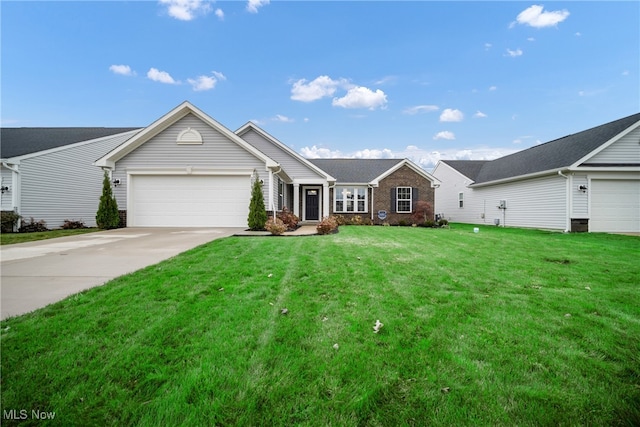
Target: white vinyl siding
(580, 203)
(64, 184)
(615, 205)
(216, 152)
(624, 151)
(6, 197)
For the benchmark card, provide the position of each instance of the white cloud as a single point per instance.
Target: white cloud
(373, 154)
(479, 115)
(186, 10)
(625, 73)
(321, 87)
(487, 46)
(282, 119)
(421, 109)
(316, 152)
(451, 115)
(531, 39)
(536, 17)
(492, 88)
(202, 83)
(361, 97)
(578, 34)
(219, 13)
(445, 134)
(254, 5)
(160, 76)
(514, 53)
(124, 70)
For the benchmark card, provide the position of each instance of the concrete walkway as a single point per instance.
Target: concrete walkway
(36, 274)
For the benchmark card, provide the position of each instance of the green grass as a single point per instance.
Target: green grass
(523, 327)
(12, 238)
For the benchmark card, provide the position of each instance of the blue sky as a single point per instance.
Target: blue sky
(424, 80)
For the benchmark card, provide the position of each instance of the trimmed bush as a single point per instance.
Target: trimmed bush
(275, 227)
(9, 220)
(289, 219)
(32, 226)
(73, 225)
(327, 225)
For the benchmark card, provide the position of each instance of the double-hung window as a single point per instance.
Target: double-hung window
(403, 200)
(461, 200)
(350, 199)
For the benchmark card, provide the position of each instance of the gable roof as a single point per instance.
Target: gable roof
(182, 110)
(551, 156)
(468, 168)
(16, 142)
(250, 126)
(355, 170)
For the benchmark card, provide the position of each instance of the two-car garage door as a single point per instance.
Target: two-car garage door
(615, 205)
(189, 200)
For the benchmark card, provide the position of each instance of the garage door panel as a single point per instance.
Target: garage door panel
(183, 201)
(615, 206)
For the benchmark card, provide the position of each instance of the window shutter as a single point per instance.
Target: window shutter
(414, 198)
(393, 200)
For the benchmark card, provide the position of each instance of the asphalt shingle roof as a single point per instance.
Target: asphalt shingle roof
(20, 141)
(556, 154)
(355, 170)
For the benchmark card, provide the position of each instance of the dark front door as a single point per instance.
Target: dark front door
(312, 206)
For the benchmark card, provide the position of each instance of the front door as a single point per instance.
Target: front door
(312, 205)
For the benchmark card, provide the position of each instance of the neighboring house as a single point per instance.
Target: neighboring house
(382, 190)
(47, 173)
(186, 169)
(587, 181)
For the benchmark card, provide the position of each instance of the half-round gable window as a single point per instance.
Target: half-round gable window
(189, 136)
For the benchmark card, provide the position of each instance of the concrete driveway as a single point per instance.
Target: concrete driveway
(36, 274)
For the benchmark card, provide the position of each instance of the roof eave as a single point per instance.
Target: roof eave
(519, 177)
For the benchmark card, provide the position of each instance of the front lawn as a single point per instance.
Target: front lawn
(12, 238)
(503, 327)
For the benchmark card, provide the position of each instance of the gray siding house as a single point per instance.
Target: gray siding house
(47, 173)
(587, 181)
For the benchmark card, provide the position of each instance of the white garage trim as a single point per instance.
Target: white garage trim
(615, 205)
(188, 198)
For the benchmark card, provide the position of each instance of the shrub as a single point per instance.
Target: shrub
(356, 220)
(423, 211)
(327, 225)
(257, 212)
(403, 223)
(9, 220)
(73, 225)
(443, 222)
(32, 226)
(429, 223)
(289, 219)
(341, 219)
(107, 216)
(275, 227)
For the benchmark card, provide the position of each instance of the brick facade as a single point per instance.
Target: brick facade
(403, 177)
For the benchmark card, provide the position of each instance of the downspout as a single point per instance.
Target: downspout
(372, 204)
(567, 225)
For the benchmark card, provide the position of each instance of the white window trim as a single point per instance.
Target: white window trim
(461, 199)
(355, 200)
(398, 200)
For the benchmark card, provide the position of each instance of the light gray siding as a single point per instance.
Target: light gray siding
(64, 184)
(296, 169)
(625, 150)
(535, 203)
(580, 199)
(162, 151)
(7, 181)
